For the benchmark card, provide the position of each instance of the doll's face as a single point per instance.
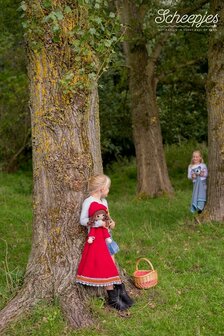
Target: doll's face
(100, 216)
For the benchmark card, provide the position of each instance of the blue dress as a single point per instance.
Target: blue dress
(199, 186)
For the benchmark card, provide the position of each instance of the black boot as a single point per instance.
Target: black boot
(115, 301)
(122, 293)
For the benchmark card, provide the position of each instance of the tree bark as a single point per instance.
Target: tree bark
(152, 173)
(215, 89)
(66, 151)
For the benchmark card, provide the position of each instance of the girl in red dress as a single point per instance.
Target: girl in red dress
(97, 266)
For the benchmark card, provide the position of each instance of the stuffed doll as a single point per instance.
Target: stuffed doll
(102, 216)
(98, 213)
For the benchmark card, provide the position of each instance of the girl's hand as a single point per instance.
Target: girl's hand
(112, 224)
(193, 176)
(202, 173)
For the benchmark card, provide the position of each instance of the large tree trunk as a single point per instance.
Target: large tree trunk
(215, 90)
(66, 151)
(152, 173)
(153, 179)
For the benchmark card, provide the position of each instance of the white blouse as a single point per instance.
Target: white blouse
(192, 169)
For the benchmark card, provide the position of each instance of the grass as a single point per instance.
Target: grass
(189, 298)
(15, 231)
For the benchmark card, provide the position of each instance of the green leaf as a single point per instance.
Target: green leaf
(67, 10)
(49, 17)
(24, 24)
(59, 15)
(56, 28)
(23, 6)
(107, 43)
(47, 4)
(112, 15)
(98, 20)
(92, 75)
(92, 31)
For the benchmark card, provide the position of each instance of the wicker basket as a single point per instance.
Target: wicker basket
(145, 278)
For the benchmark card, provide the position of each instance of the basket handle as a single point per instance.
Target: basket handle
(145, 259)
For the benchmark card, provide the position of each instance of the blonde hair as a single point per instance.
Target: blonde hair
(98, 182)
(199, 153)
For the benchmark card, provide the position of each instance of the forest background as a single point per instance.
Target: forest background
(182, 70)
(188, 274)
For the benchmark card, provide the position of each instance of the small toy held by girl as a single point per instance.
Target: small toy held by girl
(97, 266)
(198, 172)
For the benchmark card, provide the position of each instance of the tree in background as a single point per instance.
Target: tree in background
(14, 112)
(215, 89)
(152, 174)
(143, 47)
(68, 46)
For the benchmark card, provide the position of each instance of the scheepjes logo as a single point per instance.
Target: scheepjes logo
(167, 20)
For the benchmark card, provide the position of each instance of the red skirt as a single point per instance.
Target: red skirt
(96, 267)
